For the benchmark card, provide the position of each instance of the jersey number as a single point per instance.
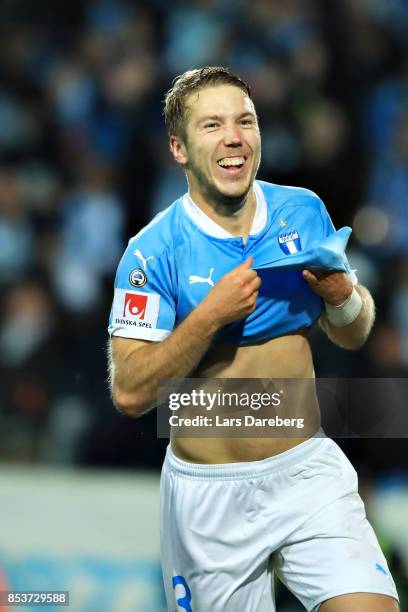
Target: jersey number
(183, 602)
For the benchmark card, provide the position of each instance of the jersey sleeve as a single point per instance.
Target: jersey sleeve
(328, 229)
(143, 305)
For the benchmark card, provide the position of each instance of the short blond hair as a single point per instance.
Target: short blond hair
(193, 80)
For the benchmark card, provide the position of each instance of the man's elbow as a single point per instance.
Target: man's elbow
(352, 344)
(131, 404)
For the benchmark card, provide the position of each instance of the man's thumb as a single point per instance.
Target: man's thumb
(248, 263)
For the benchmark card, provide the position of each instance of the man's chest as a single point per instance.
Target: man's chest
(201, 264)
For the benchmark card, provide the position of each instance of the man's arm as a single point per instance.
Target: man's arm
(354, 335)
(137, 368)
(336, 289)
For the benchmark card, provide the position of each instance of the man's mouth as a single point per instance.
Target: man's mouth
(232, 164)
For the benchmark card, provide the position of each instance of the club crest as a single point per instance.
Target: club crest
(290, 242)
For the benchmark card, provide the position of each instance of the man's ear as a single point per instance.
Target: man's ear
(178, 150)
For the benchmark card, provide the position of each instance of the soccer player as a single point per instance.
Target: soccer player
(194, 296)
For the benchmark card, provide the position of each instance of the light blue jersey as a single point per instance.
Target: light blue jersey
(170, 266)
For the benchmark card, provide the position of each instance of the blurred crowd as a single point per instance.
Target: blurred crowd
(84, 164)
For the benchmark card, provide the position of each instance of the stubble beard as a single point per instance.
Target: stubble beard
(224, 202)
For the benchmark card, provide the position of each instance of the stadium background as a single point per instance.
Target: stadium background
(84, 164)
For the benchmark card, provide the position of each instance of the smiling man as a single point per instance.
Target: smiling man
(193, 296)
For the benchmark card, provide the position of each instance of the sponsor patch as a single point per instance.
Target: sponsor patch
(137, 278)
(290, 242)
(136, 309)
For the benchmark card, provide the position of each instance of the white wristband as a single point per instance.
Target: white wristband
(345, 313)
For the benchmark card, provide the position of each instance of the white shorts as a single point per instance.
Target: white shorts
(226, 528)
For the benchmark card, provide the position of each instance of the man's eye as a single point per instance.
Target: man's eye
(247, 122)
(211, 125)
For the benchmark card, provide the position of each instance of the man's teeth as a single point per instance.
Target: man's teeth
(232, 161)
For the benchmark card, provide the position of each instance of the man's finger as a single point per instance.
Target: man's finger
(246, 265)
(256, 282)
(309, 276)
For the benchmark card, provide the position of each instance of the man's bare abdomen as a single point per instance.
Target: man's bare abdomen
(286, 357)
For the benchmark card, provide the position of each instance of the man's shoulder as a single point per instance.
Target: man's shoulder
(280, 195)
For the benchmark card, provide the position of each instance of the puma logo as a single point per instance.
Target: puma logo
(142, 259)
(200, 279)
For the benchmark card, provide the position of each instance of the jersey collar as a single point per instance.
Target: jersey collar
(212, 228)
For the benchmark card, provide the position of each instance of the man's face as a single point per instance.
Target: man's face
(221, 153)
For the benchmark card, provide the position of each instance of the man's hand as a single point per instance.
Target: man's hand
(336, 288)
(233, 297)
(333, 286)
(137, 368)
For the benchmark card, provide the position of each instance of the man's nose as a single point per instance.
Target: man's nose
(232, 137)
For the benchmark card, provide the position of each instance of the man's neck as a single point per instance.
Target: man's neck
(236, 219)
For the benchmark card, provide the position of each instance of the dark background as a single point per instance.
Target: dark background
(84, 164)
